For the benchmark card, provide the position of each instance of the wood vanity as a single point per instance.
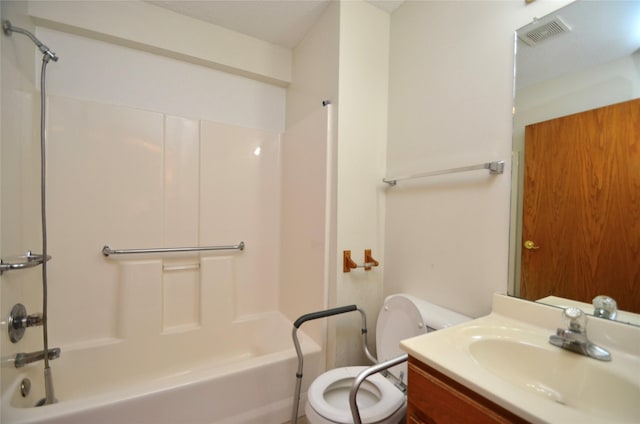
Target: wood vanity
(436, 398)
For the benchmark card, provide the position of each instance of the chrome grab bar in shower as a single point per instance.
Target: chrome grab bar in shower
(496, 167)
(29, 260)
(106, 250)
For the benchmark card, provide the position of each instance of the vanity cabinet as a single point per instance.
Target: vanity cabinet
(434, 398)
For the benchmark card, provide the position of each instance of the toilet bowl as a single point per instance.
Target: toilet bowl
(379, 400)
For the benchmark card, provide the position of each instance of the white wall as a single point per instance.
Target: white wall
(17, 232)
(20, 226)
(144, 26)
(450, 102)
(344, 59)
(602, 85)
(99, 71)
(361, 156)
(308, 232)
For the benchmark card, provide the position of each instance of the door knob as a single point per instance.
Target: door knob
(530, 245)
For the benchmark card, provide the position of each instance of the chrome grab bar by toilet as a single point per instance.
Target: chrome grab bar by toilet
(294, 334)
(355, 412)
(29, 260)
(106, 250)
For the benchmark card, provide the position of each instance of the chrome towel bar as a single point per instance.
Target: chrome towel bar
(496, 167)
(106, 250)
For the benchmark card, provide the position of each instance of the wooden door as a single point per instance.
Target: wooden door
(581, 206)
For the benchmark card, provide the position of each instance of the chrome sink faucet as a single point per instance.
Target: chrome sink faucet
(574, 337)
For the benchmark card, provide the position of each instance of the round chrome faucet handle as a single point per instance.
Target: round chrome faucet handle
(573, 313)
(577, 319)
(605, 307)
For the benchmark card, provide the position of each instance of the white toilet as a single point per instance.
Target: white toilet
(379, 400)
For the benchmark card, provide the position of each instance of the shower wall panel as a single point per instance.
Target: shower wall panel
(20, 201)
(105, 173)
(131, 178)
(181, 181)
(240, 192)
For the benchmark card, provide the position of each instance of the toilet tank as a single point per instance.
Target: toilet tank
(404, 316)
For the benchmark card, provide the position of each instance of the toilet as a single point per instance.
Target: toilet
(379, 400)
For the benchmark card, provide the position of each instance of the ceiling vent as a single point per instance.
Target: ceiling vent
(538, 32)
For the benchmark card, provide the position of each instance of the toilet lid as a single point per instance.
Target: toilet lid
(391, 399)
(399, 319)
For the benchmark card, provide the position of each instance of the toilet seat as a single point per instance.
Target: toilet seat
(388, 398)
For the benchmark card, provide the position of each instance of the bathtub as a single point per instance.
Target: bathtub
(248, 376)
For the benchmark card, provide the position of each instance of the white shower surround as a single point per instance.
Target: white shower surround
(126, 168)
(146, 151)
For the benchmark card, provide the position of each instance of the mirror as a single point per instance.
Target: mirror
(583, 56)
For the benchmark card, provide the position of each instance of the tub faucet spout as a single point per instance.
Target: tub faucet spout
(23, 359)
(574, 338)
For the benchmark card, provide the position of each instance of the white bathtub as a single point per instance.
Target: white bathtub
(247, 376)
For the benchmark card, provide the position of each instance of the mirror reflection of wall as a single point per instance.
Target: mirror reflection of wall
(595, 63)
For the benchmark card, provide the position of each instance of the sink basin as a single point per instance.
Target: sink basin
(561, 376)
(506, 358)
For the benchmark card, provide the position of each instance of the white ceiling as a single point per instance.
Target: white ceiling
(282, 22)
(601, 32)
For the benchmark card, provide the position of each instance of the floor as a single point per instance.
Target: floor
(301, 420)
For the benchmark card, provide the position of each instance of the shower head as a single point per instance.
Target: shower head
(8, 29)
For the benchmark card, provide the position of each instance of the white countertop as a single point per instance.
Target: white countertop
(514, 319)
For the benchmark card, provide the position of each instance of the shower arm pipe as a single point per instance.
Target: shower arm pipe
(496, 167)
(296, 343)
(355, 412)
(46, 51)
(107, 251)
